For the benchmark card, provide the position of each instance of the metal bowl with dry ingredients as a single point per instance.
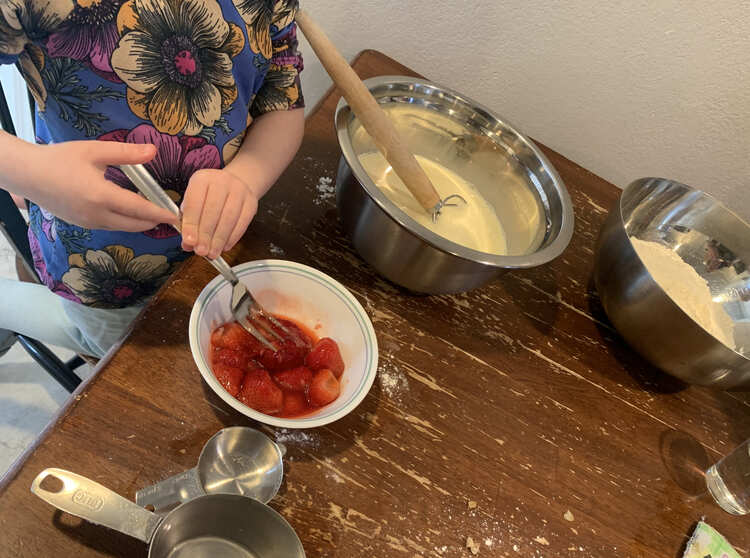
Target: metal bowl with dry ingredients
(447, 128)
(671, 271)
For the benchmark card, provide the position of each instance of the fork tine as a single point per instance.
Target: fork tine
(274, 321)
(250, 328)
(258, 321)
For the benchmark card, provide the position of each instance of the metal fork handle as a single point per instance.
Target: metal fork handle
(147, 185)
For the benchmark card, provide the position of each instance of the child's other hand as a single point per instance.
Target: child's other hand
(67, 179)
(216, 211)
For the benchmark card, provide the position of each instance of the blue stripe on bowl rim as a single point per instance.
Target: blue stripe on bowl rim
(333, 286)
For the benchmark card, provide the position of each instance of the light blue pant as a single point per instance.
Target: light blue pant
(33, 310)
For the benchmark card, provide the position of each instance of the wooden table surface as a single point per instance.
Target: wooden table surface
(513, 415)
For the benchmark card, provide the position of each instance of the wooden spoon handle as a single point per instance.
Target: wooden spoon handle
(372, 116)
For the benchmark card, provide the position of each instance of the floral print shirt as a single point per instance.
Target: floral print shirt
(186, 75)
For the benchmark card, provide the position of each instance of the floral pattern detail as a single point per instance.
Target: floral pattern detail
(176, 58)
(48, 224)
(31, 63)
(21, 23)
(176, 160)
(74, 99)
(89, 35)
(231, 147)
(57, 287)
(12, 39)
(279, 91)
(114, 277)
(259, 15)
(27, 21)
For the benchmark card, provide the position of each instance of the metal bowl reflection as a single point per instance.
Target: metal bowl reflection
(443, 126)
(707, 236)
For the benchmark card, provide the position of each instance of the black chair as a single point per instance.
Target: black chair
(14, 228)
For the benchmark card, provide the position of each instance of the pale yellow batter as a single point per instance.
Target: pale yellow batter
(474, 224)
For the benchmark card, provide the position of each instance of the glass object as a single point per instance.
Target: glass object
(728, 481)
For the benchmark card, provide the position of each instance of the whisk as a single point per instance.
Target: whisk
(375, 121)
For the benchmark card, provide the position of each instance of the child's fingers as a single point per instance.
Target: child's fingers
(121, 153)
(229, 215)
(119, 222)
(212, 207)
(192, 206)
(130, 204)
(249, 209)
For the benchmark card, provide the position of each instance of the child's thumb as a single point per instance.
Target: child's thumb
(120, 153)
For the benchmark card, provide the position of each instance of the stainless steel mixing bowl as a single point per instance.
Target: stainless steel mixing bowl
(706, 235)
(507, 168)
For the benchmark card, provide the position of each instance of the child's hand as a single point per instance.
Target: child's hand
(216, 211)
(67, 179)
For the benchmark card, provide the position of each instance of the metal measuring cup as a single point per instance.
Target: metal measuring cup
(235, 460)
(225, 525)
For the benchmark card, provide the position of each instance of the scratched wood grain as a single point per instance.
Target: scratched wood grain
(513, 415)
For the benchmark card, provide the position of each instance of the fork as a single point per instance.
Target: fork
(245, 309)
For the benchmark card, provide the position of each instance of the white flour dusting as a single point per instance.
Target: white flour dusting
(686, 288)
(275, 250)
(299, 437)
(392, 380)
(326, 189)
(336, 478)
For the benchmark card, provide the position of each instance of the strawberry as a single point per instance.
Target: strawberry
(229, 377)
(259, 392)
(294, 404)
(235, 359)
(324, 388)
(294, 379)
(288, 355)
(326, 355)
(233, 336)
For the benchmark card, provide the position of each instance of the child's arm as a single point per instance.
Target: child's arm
(215, 218)
(67, 179)
(219, 204)
(269, 147)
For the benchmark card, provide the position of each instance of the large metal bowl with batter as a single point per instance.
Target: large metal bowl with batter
(705, 235)
(448, 128)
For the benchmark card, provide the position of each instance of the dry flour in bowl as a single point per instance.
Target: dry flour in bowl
(686, 288)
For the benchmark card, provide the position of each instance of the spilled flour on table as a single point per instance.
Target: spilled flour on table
(326, 190)
(336, 478)
(297, 438)
(392, 380)
(275, 250)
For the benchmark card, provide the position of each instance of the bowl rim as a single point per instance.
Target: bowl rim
(260, 266)
(539, 257)
(639, 183)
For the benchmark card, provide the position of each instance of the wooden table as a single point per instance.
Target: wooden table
(513, 415)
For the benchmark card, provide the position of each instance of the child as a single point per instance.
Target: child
(206, 93)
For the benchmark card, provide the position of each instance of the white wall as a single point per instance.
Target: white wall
(626, 89)
(16, 94)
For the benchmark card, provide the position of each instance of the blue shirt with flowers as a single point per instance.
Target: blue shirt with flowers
(188, 76)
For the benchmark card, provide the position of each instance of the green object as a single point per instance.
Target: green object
(706, 542)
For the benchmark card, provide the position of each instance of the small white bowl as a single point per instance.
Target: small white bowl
(309, 297)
